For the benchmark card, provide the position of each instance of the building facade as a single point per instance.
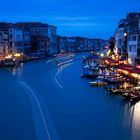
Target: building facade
(95, 44)
(52, 35)
(16, 40)
(80, 44)
(39, 40)
(29, 37)
(133, 37)
(4, 48)
(127, 38)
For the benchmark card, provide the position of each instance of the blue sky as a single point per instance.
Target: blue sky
(87, 18)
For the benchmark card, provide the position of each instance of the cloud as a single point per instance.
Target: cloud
(78, 24)
(73, 18)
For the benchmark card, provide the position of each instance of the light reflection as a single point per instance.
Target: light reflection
(18, 71)
(14, 71)
(136, 120)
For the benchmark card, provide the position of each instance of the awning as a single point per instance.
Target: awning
(111, 61)
(135, 70)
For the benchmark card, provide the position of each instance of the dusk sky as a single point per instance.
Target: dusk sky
(87, 18)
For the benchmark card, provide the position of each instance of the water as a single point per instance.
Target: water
(76, 111)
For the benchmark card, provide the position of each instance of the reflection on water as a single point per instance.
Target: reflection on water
(136, 121)
(17, 71)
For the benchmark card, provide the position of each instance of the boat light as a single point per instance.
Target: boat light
(8, 56)
(17, 54)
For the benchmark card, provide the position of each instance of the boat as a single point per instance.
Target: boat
(135, 99)
(119, 91)
(98, 83)
(10, 62)
(82, 76)
(114, 80)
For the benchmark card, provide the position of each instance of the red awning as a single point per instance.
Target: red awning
(111, 60)
(129, 68)
(126, 67)
(135, 70)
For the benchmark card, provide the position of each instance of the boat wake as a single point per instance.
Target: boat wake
(62, 65)
(61, 68)
(48, 132)
(52, 60)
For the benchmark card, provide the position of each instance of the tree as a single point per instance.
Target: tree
(112, 46)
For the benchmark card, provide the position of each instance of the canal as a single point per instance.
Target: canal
(47, 100)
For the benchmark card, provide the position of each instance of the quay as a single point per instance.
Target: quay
(14, 60)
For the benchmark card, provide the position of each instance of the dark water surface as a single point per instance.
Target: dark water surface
(41, 101)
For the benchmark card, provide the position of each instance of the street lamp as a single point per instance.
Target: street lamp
(129, 61)
(125, 34)
(102, 55)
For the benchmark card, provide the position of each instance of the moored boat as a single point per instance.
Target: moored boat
(98, 83)
(10, 62)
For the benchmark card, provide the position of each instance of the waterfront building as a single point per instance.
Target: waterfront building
(26, 42)
(120, 37)
(29, 25)
(52, 35)
(43, 36)
(127, 38)
(39, 37)
(80, 44)
(4, 49)
(39, 40)
(70, 44)
(16, 40)
(4, 38)
(75, 44)
(90, 43)
(133, 37)
(96, 44)
(61, 44)
(67, 44)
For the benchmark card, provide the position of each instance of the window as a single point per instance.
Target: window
(134, 38)
(129, 48)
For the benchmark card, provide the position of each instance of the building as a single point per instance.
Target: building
(26, 42)
(95, 44)
(127, 38)
(4, 48)
(14, 37)
(34, 34)
(15, 40)
(4, 38)
(52, 35)
(40, 40)
(79, 44)
(73, 44)
(43, 36)
(120, 37)
(133, 37)
(61, 44)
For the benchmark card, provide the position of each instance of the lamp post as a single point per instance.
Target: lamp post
(125, 46)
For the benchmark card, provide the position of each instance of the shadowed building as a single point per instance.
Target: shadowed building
(128, 37)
